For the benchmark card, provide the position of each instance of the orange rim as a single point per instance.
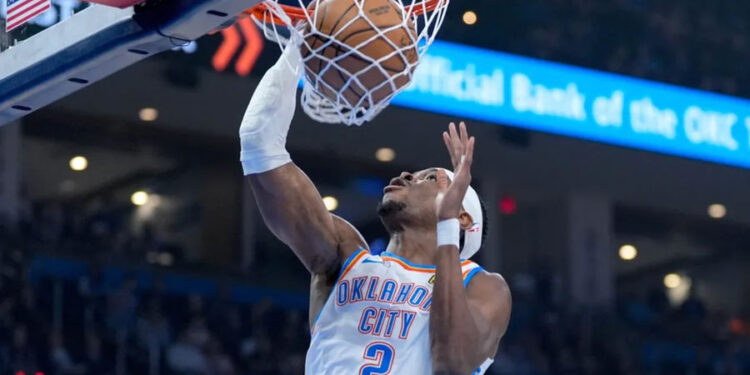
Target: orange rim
(261, 11)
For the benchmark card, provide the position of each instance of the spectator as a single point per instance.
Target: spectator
(185, 357)
(94, 362)
(219, 363)
(60, 358)
(21, 355)
(121, 309)
(153, 331)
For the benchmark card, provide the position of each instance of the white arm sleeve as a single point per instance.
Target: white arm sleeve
(269, 114)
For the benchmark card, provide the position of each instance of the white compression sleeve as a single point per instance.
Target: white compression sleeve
(448, 232)
(269, 114)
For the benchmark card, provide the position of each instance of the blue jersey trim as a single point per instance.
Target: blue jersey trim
(338, 279)
(315, 322)
(424, 266)
(471, 274)
(347, 262)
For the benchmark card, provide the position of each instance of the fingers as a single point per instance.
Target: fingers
(457, 142)
(456, 146)
(451, 194)
(452, 130)
(464, 133)
(464, 168)
(449, 146)
(469, 152)
(461, 135)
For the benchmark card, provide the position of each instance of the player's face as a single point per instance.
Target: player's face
(413, 192)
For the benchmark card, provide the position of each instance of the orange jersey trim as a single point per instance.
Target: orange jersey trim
(353, 262)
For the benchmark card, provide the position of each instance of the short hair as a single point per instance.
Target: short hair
(485, 221)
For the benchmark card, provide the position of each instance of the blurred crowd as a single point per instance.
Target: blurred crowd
(642, 334)
(91, 325)
(699, 44)
(100, 229)
(94, 326)
(129, 331)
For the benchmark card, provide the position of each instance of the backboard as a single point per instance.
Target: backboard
(41, 65)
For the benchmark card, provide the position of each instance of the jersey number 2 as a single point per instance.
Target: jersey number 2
(380, 352)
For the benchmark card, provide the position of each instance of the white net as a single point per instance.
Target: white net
(357, 54)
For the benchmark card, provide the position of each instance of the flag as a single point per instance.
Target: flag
(21, 11)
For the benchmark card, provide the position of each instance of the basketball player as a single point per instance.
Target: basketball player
(418, 308)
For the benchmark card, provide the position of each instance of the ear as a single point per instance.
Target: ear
(465, 220)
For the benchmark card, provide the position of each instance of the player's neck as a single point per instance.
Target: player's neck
(416, 245)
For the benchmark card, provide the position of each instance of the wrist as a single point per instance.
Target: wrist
(448, 232)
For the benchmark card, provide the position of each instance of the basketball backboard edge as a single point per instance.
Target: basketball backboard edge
(97, 42)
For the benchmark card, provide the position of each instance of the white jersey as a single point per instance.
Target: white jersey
(376, 319)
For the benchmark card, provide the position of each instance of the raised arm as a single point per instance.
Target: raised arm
(293, 210)
(289, 202)
(466, 323)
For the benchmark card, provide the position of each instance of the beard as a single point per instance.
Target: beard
(389, 212)
(390, 208)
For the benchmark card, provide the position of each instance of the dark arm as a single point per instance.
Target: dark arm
(289, 202)
(294, 211)
(466, 324)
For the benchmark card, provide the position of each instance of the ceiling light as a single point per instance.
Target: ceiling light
(628, 252)
(717, 211)
(79, 163)
(148, 114)
(385, 154)
(139, 198)
(470, 17)
(331, 203)
(672, 280)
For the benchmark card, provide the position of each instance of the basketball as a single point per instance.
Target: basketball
(356, 47)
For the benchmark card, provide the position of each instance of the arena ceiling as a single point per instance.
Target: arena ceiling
(545, 168)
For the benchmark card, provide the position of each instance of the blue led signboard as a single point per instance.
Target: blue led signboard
(549, 97)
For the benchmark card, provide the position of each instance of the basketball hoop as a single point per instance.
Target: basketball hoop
(299, 14)
(349, 81)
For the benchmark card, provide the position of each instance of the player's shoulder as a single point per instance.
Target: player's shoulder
(490, 293)
(487, 283)
(349, 239)
(489, 298)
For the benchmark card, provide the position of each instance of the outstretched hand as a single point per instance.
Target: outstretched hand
(451, 194)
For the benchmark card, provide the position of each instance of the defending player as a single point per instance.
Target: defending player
(417, 308)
